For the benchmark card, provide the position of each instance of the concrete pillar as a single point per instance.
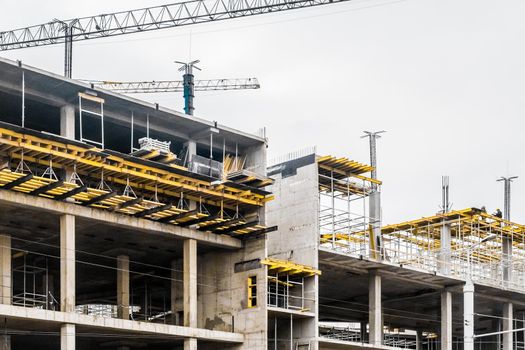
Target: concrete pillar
(191, 147)
(190, 283)
(5, 342)
(67, 121)
(6, 289)
(363, 331)
(123, 287)
(468, 315)
(506, 251)
(190, 344)
(67, 263)
(375, 322)
(67, 337)
(444, 250)
(375, 222)
(446, 320)
(173, 293)
(419, 340)
(508, 325)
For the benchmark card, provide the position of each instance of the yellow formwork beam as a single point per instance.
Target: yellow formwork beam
(289, 267)
(117, 169)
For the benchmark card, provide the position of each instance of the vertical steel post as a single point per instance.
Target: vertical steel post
(374, 198)
(68, 54)
(506, 246)
(189, 93)
(23, 99)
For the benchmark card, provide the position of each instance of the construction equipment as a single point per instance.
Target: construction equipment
(188, 85)
(142, 20)
(149, 87)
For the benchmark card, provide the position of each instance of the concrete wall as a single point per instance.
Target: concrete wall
(295, 211)
(223, 293)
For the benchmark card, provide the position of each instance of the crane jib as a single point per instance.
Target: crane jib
(146, 19)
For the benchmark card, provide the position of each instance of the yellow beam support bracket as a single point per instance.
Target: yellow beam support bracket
(289, 267)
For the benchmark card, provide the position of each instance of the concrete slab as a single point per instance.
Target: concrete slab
(19, 313)
(44, 205)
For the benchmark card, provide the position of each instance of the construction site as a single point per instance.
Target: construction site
(127, 225)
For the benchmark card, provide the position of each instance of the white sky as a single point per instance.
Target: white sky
(445, 78)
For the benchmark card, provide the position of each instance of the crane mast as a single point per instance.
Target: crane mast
(142, 20)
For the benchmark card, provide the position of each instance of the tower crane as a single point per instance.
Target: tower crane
(147, 87)
(188, 85)
(178, 14)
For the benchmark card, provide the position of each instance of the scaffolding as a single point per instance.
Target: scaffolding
(33, 291)
(286, 285)
(476, 246)
(344, 222)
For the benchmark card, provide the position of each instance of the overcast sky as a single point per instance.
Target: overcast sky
(445, 78)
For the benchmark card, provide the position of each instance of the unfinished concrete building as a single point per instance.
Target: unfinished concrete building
(124, 224)
(397, 286)
(127, 225)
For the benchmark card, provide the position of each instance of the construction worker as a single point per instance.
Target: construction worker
(498, 213)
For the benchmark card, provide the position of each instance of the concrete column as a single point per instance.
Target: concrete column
(375, 322)
(6, 289)
(446, 320)
(67, 121)
(468, 315)
(123, 286)
(419, 340)
(506, 251)
(508, 325)
(5, 342)
(190, 344)
(444, 250)
(363, 332)
(67, 263)
(67, 337)
(173, 293)
(375, 222)
(190, 283)
(191, 147)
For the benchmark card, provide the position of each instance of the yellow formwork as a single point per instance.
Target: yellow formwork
(289, 267)
(87, 159)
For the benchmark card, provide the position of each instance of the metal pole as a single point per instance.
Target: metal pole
(68, 59)
(23, 99)
(468, 313)
(506, 196)
(374, 198)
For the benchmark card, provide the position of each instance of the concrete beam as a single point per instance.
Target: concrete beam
(375, 314)
(46, 205)
(6, 290)
(117, 325)
(67, 337)
(508, 316)
(446, 320)
(67, 263)
(190, 283)
(123, 287)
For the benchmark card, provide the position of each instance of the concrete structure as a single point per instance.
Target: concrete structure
(124, 224)
(409, 293)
